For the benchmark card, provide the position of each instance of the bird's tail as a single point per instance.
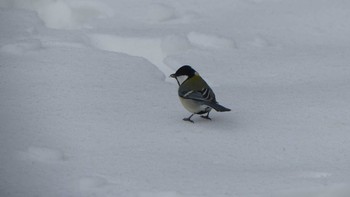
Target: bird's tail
(217, 107)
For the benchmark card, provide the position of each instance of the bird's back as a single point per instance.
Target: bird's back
(197, 84)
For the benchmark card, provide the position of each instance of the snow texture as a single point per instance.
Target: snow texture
(87, 107)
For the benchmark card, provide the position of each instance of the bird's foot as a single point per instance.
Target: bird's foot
(206, 117)
(188, 119)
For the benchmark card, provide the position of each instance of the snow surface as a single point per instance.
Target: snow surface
(87, 108)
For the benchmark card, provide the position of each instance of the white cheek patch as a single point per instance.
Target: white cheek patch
(182, 78)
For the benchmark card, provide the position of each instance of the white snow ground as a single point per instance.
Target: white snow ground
(86, 108)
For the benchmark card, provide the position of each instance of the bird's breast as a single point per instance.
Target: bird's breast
(194, 106)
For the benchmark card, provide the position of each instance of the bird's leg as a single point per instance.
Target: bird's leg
(189, 118)
(206, 117)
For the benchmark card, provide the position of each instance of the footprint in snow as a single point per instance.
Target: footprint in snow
(42, 154)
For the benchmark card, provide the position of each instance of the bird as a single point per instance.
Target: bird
(195, 94)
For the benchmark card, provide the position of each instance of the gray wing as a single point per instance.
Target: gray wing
(206, 94)
(206, 97)
(192, 95)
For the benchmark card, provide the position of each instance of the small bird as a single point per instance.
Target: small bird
(195, 94)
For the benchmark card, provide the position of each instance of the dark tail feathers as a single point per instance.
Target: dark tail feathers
(217, 107)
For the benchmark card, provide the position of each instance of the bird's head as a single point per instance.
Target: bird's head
(183, 73)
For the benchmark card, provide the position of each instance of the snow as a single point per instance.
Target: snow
(88, 109)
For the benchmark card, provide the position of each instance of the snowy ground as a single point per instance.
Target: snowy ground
(87, 109)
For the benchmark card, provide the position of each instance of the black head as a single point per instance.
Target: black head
(184, 70)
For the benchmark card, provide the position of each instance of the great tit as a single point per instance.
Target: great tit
(195, 94)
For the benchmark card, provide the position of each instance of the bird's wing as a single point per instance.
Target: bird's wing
(206, 97)
(206, 94)
(195, 95)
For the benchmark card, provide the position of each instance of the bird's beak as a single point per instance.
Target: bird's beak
(175, 77)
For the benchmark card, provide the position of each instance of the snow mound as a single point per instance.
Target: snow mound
(48, 13)
(159, 12)
(203, 40)
(148, 48)
(174, 44)
(60, 14)
(155, 50)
